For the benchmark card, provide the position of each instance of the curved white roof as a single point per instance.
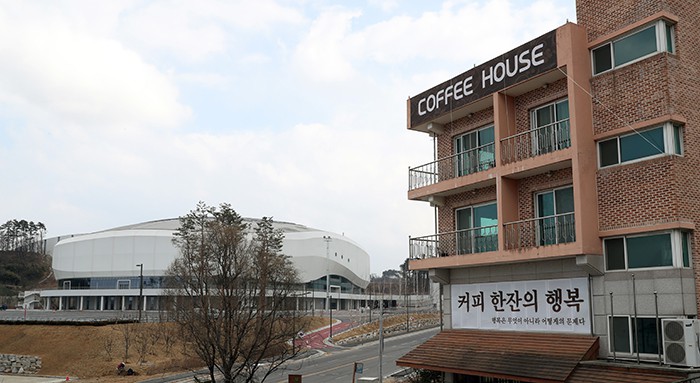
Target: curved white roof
(116, 252)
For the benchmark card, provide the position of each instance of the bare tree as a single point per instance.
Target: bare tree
(127, 331)
(234, 293)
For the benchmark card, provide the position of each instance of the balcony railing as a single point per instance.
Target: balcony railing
(551, 230)
(535, 142)
(469, 241)
(456, 165)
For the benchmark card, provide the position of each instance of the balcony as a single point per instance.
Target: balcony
(537, 232)
(536, 142)
(456, 165)
(469, 241)
(550, 230)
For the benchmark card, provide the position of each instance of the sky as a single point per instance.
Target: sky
(120, 112)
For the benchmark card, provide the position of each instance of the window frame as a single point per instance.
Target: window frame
(554, 125)
(672, 142)
(541, 241)
(472, 229)
(631, 334)
(676, 250)
(460, 168)
(662, 28)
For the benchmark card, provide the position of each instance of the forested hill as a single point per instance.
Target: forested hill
(20, 271)
(23, 263)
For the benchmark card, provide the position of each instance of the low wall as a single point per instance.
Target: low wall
(19, 364)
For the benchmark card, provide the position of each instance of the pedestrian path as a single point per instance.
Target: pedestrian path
(30, 379)
(317, 340)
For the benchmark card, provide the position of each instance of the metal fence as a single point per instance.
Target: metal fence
(535, 142)
(456, 165)
(469, 241)
(551, 230)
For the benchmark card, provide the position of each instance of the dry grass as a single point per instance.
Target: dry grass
(390, 321)
(80, 351)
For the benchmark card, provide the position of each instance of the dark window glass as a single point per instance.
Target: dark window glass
(646, 335)
(642, 144)
(608, 152)
(677, 139)
(635, 46)
(669, 38)
(686, 249)
(621, 334)
(649, 251)
(602, 59)
(615, 254)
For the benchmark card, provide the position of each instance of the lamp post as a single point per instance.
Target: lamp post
(327, 239)
(140, 290)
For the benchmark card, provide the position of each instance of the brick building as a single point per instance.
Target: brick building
(566, 187)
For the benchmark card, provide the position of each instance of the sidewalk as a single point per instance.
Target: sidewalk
(317, 339)
(30, 379)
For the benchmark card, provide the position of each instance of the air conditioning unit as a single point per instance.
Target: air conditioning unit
(681, 342)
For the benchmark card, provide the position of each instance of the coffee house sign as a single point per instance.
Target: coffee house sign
(528, 60)
(553, 305)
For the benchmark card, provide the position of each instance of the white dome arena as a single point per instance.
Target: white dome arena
(99, 271)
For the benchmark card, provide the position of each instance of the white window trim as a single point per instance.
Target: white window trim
(533, 114)
(676, 251)
(473, 228)
(537, 207)
(660, 45)
(631, 334)
(669, 145)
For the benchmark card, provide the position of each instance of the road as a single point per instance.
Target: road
(335, 364)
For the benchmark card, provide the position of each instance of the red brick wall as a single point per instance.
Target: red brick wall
(601, 17)
(630, 94)
(446, 140)
(534, 98)
(527, 187)
(660, 189)
(446, 214)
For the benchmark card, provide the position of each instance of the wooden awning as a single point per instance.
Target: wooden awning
(605, 372)
(524, 356)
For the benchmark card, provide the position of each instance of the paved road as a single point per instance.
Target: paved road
(335, 364)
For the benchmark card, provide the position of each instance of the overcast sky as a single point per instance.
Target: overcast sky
(119, 112)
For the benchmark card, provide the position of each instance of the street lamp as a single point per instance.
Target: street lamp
(327, 239)
(140, 290)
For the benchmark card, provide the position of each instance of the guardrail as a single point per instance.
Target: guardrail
(535, 142)
(456, 165)
(550, 230)
(469, 241)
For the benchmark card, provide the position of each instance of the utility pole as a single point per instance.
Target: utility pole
(140, 290)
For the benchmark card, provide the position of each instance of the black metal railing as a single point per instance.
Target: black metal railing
(469, 241)
(456, 165)
(535, 142)
(543, 231)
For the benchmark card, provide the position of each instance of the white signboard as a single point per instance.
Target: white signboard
(553, 305)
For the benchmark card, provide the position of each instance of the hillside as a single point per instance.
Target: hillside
(21, 271)
(93, 352)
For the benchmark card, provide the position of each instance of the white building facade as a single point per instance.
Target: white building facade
(102, 270)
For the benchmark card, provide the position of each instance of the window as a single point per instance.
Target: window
(623, 328)
(555, 213)
(659, 141)
(474, 151)
(477, 229)
(123, 284)
(550, 127)
(663, 249)
(649, 40)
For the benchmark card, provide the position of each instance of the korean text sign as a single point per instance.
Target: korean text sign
(554, 305)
